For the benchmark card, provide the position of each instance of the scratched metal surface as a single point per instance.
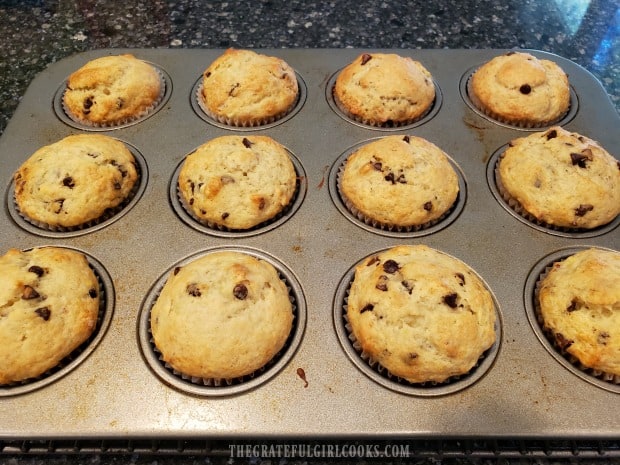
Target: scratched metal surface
(521, 390)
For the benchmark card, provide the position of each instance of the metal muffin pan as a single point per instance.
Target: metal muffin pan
(520, 390)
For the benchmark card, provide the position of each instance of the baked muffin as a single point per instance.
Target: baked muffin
(245, 88)
(423, 315)
(237, 182)
(49, 303)
(222, 316)
(381, 89)
(579, 304)
(561, 178)
(112, 90)
(77, 180)
(401, 181)
(519, 89)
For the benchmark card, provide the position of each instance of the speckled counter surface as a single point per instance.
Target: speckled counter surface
(36, 33)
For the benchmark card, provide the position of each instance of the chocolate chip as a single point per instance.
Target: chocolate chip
(44, 312)
(580, 159)
(88, 102)
(117, 185)
(36, 270)
(382, 284)
(390, 178)
(191, 201)
(461, 278)
(225, 215)
(525, 89)
(372, 261)
(176, 270)
(68, 182)
(377, 165)
(582, 209)
(92, 293)
(247, 143)
(450, 299)
(552, 134)
(29, 293)
(602, 338)
(574, 305)
(367, 308)
(408, 286)
(232, 89)
(119, 103)
(58, 205)
(428, 206)
(390, 266)
(401, 179)
(510, 53)
(366, 58)
(193, 290)
(240, 291)
(406, 139)
(261, 203)
(562, 342)
(413, 355)
(208, 74)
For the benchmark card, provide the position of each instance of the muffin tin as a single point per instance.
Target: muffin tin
(318, 386)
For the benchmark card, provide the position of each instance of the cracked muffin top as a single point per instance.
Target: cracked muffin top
(382, 89)
(561, 178)
(423, 315)
(403, 181)
(579, 302)
(244, 88)
(112, 90)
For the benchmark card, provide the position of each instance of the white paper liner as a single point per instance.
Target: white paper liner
(548, 332)
(240, 123)
(147, 111)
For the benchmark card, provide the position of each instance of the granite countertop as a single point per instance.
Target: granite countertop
(36, 33)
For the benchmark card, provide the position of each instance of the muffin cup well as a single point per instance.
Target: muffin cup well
(525, 124)
(104, 317)
(608, 381)
(217, 387)
(381, 375)
(108, 216)
(64, 113)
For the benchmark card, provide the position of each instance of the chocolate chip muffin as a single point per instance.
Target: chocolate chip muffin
(382, 89)
(519, 89)
(237, 182)
(579, 304)
(80, 179)
(560, 178)
(49, 303)
(399, 181)
(244, 88)
(222, 316)
(112, 90)
(421, 314)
